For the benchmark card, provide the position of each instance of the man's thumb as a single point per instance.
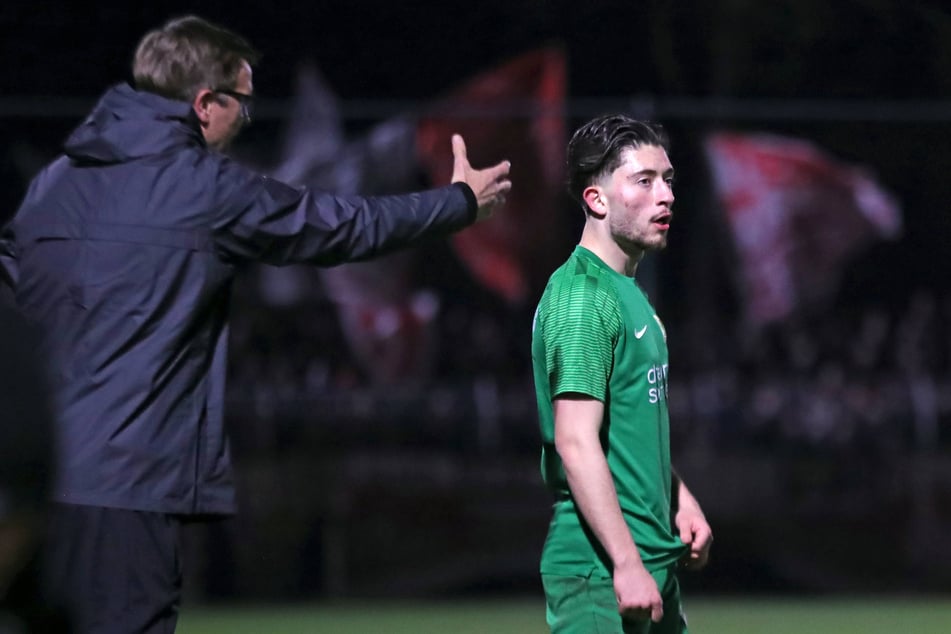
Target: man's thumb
(459, 160)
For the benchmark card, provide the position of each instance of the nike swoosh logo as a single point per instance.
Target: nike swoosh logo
(640, 333)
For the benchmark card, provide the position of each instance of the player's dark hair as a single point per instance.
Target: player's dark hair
(595, 148)
(188, 54)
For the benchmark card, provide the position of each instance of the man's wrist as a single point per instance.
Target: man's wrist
(628, 561)
(472, 202)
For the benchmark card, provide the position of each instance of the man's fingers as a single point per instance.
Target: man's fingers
(649, 607)
(499, 171)
(686, 535)
(490, 185)
(702, 538)
(638, 614)
(654, 612)
(697, 558)
(503, 185)
(460, 164)
(458, 148)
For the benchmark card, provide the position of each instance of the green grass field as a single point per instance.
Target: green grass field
(706, 615)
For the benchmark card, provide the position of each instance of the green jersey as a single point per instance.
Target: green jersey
(595, 333)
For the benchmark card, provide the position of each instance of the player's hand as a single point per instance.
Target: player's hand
(696, 533)
(638, 598)
(490, 185)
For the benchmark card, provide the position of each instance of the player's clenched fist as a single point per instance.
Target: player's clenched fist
(637, 595)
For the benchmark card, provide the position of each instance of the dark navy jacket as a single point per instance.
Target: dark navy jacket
(124, 251)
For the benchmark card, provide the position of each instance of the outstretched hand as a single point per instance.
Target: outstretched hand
(489, 185)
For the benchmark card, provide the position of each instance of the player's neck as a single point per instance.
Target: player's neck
(611, 252)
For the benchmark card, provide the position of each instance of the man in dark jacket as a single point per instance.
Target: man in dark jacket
(123, 251)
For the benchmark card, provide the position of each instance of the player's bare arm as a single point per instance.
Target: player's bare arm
(692, 525)
(577, 424)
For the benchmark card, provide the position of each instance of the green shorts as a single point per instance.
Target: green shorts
(587, 605)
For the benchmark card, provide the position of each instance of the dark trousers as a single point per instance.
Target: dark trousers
(116, 571)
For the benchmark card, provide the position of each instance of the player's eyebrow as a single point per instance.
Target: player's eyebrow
(669, 173)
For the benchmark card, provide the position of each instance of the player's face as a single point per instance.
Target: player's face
(226, 115)
(639, 198)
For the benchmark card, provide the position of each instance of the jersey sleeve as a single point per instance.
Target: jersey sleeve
(580, 325)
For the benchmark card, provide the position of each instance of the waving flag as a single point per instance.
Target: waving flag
(796, 215)
(514, 111)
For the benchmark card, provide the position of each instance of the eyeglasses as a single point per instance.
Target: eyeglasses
(245, 101)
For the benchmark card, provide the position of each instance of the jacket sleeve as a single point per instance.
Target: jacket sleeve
(9, 270)
(280, 224)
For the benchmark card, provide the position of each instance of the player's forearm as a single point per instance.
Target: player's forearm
(685, 498)
(593, 491)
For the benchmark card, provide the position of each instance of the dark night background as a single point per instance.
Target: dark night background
(866, 52)
(867, 80)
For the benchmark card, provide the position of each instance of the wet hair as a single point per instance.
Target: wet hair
(188, 54)
(595, 148)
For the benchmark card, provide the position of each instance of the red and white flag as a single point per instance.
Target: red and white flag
(514, 111)
(796, 215)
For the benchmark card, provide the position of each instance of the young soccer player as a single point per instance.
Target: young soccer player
(600, 361)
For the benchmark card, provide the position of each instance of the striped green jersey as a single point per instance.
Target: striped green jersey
(595, 333)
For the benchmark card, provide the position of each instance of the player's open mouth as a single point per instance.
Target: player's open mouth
(663, 220)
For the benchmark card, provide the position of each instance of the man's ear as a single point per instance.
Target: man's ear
(202, 105)
(593, 196)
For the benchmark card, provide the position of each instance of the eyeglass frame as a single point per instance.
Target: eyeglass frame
(244, 100)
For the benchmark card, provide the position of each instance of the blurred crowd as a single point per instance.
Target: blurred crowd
(868, 377)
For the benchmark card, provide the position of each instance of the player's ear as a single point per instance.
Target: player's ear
(593, 197)
(202, 105)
